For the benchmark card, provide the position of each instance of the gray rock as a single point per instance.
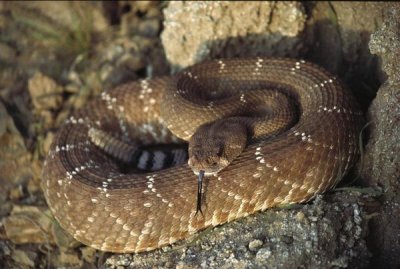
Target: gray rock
(382, 158)
(255, 244)
(323, 234)
(337, 36)
(263, 254)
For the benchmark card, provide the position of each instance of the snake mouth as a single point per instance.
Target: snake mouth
(207, 167)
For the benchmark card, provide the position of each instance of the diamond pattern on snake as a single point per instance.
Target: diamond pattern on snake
(150, 162)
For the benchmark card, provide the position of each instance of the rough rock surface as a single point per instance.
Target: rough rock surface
(28, 224)
(63, 14)
(319, 235)
(14, 162)
(45, 93)
(382, 154)
(337, 38)
(382, 157)
(194, 31)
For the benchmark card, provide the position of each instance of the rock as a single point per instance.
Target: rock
(255, 244)
(131, 61)
(300, 216)
(288, 18)
(337, 39)
(147, 27)
(150, 27)
(16, 193)
(143, 18)
(46, 121)
(5, 205)
(15, 158)
(69, 260)
(61, 117)
(7, 53)
(263, 254)
(128, 63)
(33, 185)
(63, 239)
(195, 31)
(45, 92)
(26, 258)
(382, 159)
(47, 142)
(355, 23)
(123, 260)
(65, 14)
(323, 37)
(88, 254)
(284, 240)
(28, 224)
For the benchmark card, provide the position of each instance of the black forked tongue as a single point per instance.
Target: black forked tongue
(199, 190)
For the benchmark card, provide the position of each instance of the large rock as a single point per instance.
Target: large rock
(15, 159)
(382, 154)
(324, 234)
(200, 30)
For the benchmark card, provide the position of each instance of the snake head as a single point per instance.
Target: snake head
(215, 145)
(206, 161)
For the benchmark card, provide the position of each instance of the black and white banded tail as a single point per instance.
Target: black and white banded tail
(142, 158)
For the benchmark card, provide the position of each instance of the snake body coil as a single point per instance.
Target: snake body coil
(113, 211)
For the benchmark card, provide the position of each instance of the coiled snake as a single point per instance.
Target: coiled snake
(261, 157)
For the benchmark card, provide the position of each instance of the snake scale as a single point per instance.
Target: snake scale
(132, 212)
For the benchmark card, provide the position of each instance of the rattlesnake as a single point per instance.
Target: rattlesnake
(131, 212)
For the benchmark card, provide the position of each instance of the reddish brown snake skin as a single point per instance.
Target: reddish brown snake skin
(112, 211)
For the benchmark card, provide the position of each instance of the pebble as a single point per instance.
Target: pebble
(255, 244)
(263, 254)
(45, 92)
